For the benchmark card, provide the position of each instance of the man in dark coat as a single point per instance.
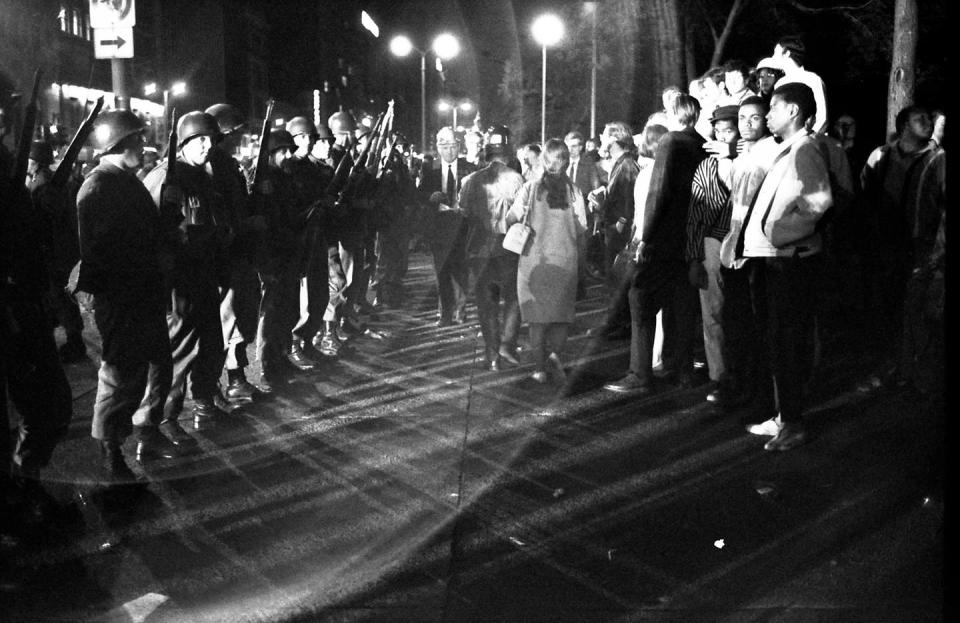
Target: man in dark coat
(661, 277)
(445, 228)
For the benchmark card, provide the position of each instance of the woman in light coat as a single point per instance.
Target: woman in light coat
(549, 266)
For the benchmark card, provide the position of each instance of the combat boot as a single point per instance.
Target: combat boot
(151, 445)
(329, 344)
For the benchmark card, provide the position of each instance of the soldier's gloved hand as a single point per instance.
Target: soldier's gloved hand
(264, 187)
(182, 305)
(437, 197)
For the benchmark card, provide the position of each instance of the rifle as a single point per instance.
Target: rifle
(263, 155)
(62, 174)
(342, 182)
(379, 138)
(19, 171)
(391, 144)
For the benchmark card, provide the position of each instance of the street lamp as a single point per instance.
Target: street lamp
(445, 46)
(176, 90)
(547, 30)
(464, 105)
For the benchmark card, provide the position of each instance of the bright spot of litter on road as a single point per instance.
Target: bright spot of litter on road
(517, 541)
(558, 492)
(719, 543)
(610, 553)
(454, 495)
(142, 607)
(105, 546)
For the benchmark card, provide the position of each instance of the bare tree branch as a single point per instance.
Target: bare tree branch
(806, 9)
(721, 43)
(706, 18)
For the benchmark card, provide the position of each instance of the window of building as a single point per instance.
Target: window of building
(73, 19)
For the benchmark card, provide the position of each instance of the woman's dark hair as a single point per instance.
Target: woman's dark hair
(554, 182)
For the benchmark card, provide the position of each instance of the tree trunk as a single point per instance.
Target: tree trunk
(903, 62)
(668, 53)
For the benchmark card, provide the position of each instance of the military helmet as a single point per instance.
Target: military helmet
(228, 117)
(113, 126)
(280, 138)
(196, 123)
(301, 125)
(497, 140)
(324, 133)
(342, 123)
(41, 152)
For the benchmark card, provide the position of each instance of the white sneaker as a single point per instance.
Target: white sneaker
(770, 428)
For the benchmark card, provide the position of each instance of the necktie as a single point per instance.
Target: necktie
(573, 171)
(451, 186)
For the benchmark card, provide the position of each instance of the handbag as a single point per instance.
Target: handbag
(518, 235)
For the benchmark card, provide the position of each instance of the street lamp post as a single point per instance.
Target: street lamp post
(445, 46)
(547, 30)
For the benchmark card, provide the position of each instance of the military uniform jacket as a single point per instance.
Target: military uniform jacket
(194, 242)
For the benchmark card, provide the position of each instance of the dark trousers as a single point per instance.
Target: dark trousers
(279, 293)
(238, 313)
(394, 250)
(785, 297)
(496, 283)
(619, 275)
(313, 291)
(451, 267)
(353, 258)
(662, 285)
(196, 344)
(31, 374)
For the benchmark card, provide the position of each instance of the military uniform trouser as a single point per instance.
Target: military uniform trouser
(496, 282)
(279, 293)
(238, 313)
(31, 374)
(196, 344)
(353, 251)
(313, 295)
(394, 251)
(336, 283)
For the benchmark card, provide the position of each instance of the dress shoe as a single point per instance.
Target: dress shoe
(114, 464)
(151, 445)
(269, 382)
(444, 322)
(298, 359)
(509, 355)
(172, 430)
(240, 390)
(630, 384)
(727, 396)
(206, 409)
(790, 436)
(540, 377)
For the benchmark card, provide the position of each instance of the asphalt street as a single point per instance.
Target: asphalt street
(405, 482)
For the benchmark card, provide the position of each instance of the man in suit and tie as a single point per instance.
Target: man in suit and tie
(445, 228)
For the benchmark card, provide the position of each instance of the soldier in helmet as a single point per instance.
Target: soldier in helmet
(59, 246)
(320, 152)
(197, 254)
(485, 199)
(30, 372)
(279, 286)
(308, 181)
(238, 301)
(445, 228)
(120, 266)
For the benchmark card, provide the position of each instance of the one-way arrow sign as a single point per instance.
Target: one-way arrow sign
(113, 43)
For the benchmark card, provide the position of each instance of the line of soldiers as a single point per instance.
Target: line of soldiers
(183, 269)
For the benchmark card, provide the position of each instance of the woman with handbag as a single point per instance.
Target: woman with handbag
(552, 206)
